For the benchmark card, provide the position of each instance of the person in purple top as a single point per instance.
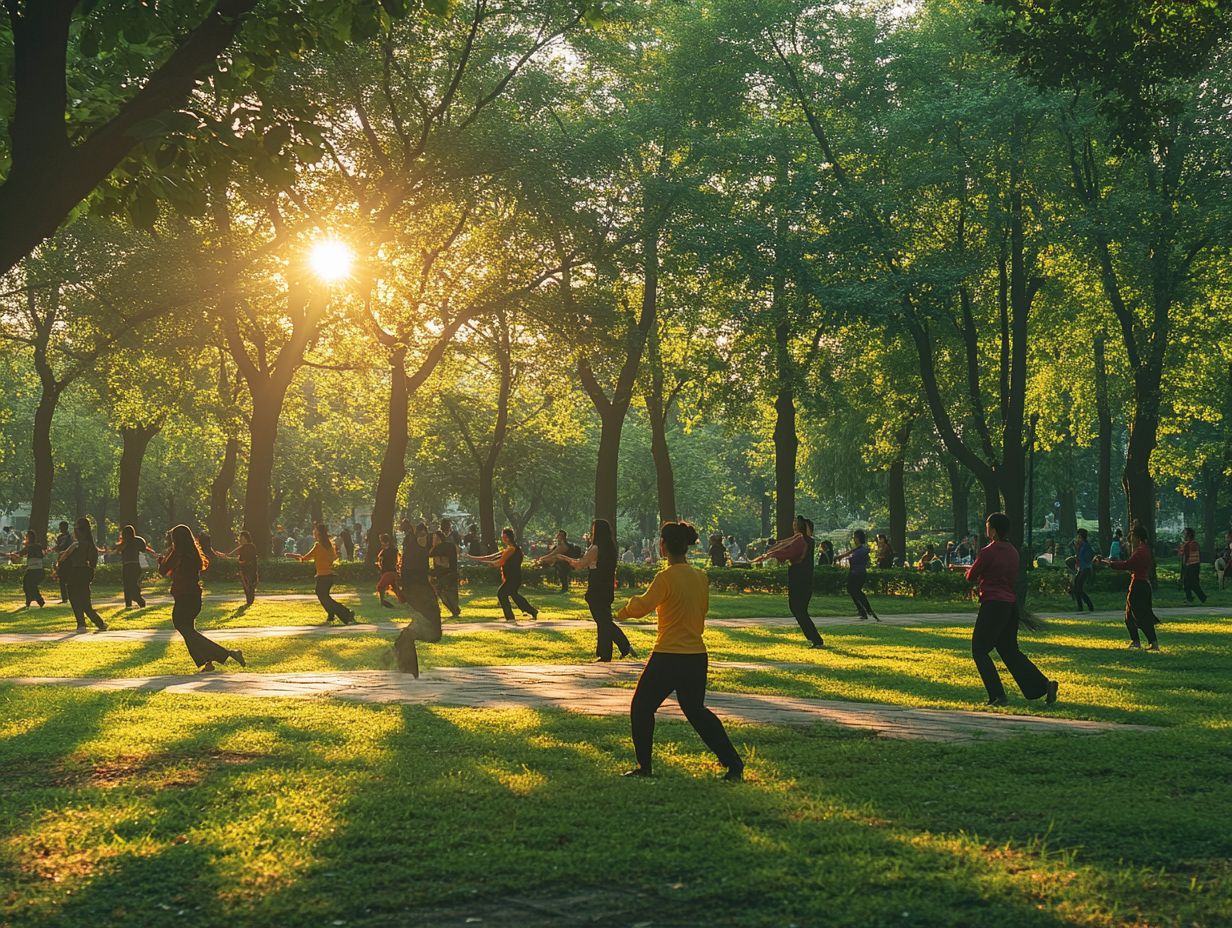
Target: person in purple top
(857, 559)
(996, 624)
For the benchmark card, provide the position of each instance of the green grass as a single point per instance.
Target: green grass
(130, 808)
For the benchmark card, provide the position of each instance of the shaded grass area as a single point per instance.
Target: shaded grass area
(149, 810)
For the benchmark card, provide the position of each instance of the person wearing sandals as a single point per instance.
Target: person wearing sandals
(599, 562)
(76, 566)
(1139, 608)
(679, 596)
(183, 563)
(323, 554)
(995, 569)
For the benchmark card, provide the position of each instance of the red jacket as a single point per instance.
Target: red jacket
(1139, 565)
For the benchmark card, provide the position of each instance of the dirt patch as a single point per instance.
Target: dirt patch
(150, 771)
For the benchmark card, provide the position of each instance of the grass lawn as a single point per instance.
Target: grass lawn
(142, 809)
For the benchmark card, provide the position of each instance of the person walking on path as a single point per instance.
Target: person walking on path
(599, 562)
(445, 578)
(76, 565)
(183, 563)
(35, 555)
(1139, 609)
(857, 559)
(63, 540)
(1191, 567)
(387, 566)
(509, 560)
(323, 555)
(131, 546)
(679, 596)
(995, 569)
(1085, 557)
(797, 551)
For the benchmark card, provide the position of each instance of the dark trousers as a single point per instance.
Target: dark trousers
(446, 586)
(1140, 612)
(855, 589)
(564, 573)
(331, 606)
(184, 617)
(799, 594)
(608, 632)
(508, 592)
(1080, 589)
(421, 598)
(130, 573)
(1191, 580)
(83, 608)
(248, 579)
(996, 628)
(30, 581)
(426, 626)
(63, 587)
(684, 674)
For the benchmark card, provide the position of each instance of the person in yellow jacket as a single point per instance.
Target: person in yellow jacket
(680, 596)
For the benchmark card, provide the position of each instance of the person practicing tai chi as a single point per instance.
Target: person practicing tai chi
(387, 567)
(1084, 554)
(1139, 609)
(419, 596)
(76, 566)
(1191, 567)
(560, 557)
(445, 578)
(857, 559)
(797, 551)
(246, 553)
(34, 553)
(599, 562)
(183, 563)
(131, 546)
(323, 555)
(995, 569)
(679, 595)
(509, 560)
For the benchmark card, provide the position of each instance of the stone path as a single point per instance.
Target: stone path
(589, 689)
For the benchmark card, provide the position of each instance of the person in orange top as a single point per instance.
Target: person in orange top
(1139, 611)
(679, 595)
(1191, 567)
(323, 554)
(183, 563)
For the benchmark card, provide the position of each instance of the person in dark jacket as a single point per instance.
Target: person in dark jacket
(183, 563)
(76, 566)
(599, 562)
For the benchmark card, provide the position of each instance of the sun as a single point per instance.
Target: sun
(331, 260)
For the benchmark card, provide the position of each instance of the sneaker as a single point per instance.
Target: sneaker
(601, 660)
(1050, 697)
(999, 701)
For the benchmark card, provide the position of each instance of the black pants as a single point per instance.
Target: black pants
(855, 589)
(446, 586)
(507, 592)
(248, 579)
(685, 674)
(608, 632)
(184, 617)
(799, 594)
(426, 626)
(1140, 612)
(30, 581)
(564, 573)
(83, 608)
(1191, 580)
(63, 587)
(1080, 589)
(130, 573)
(332, 606)
(996, 628)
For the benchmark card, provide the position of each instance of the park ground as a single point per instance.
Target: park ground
(151, 808)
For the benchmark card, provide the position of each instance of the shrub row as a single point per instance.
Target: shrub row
(826, 580)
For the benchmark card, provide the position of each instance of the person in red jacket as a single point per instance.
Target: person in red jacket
(996, 624)
(1139, 611)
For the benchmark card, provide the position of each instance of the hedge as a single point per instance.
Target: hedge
(826, 580)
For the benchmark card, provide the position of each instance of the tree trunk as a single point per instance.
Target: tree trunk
(1103, 415)
(219, 520)
(656, 412)
(44, 463)
(897, 490)
(786, 445)
(487, 505)
(606, 468)
(1210, 478)
(960, 490)
(393, 461)
(267, 399)
(1068, 513)
(135, 441)
(1137, 481)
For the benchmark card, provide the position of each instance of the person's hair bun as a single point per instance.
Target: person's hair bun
(678, 536)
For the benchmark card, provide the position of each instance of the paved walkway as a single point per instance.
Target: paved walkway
(589, 689)
(118, 632)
